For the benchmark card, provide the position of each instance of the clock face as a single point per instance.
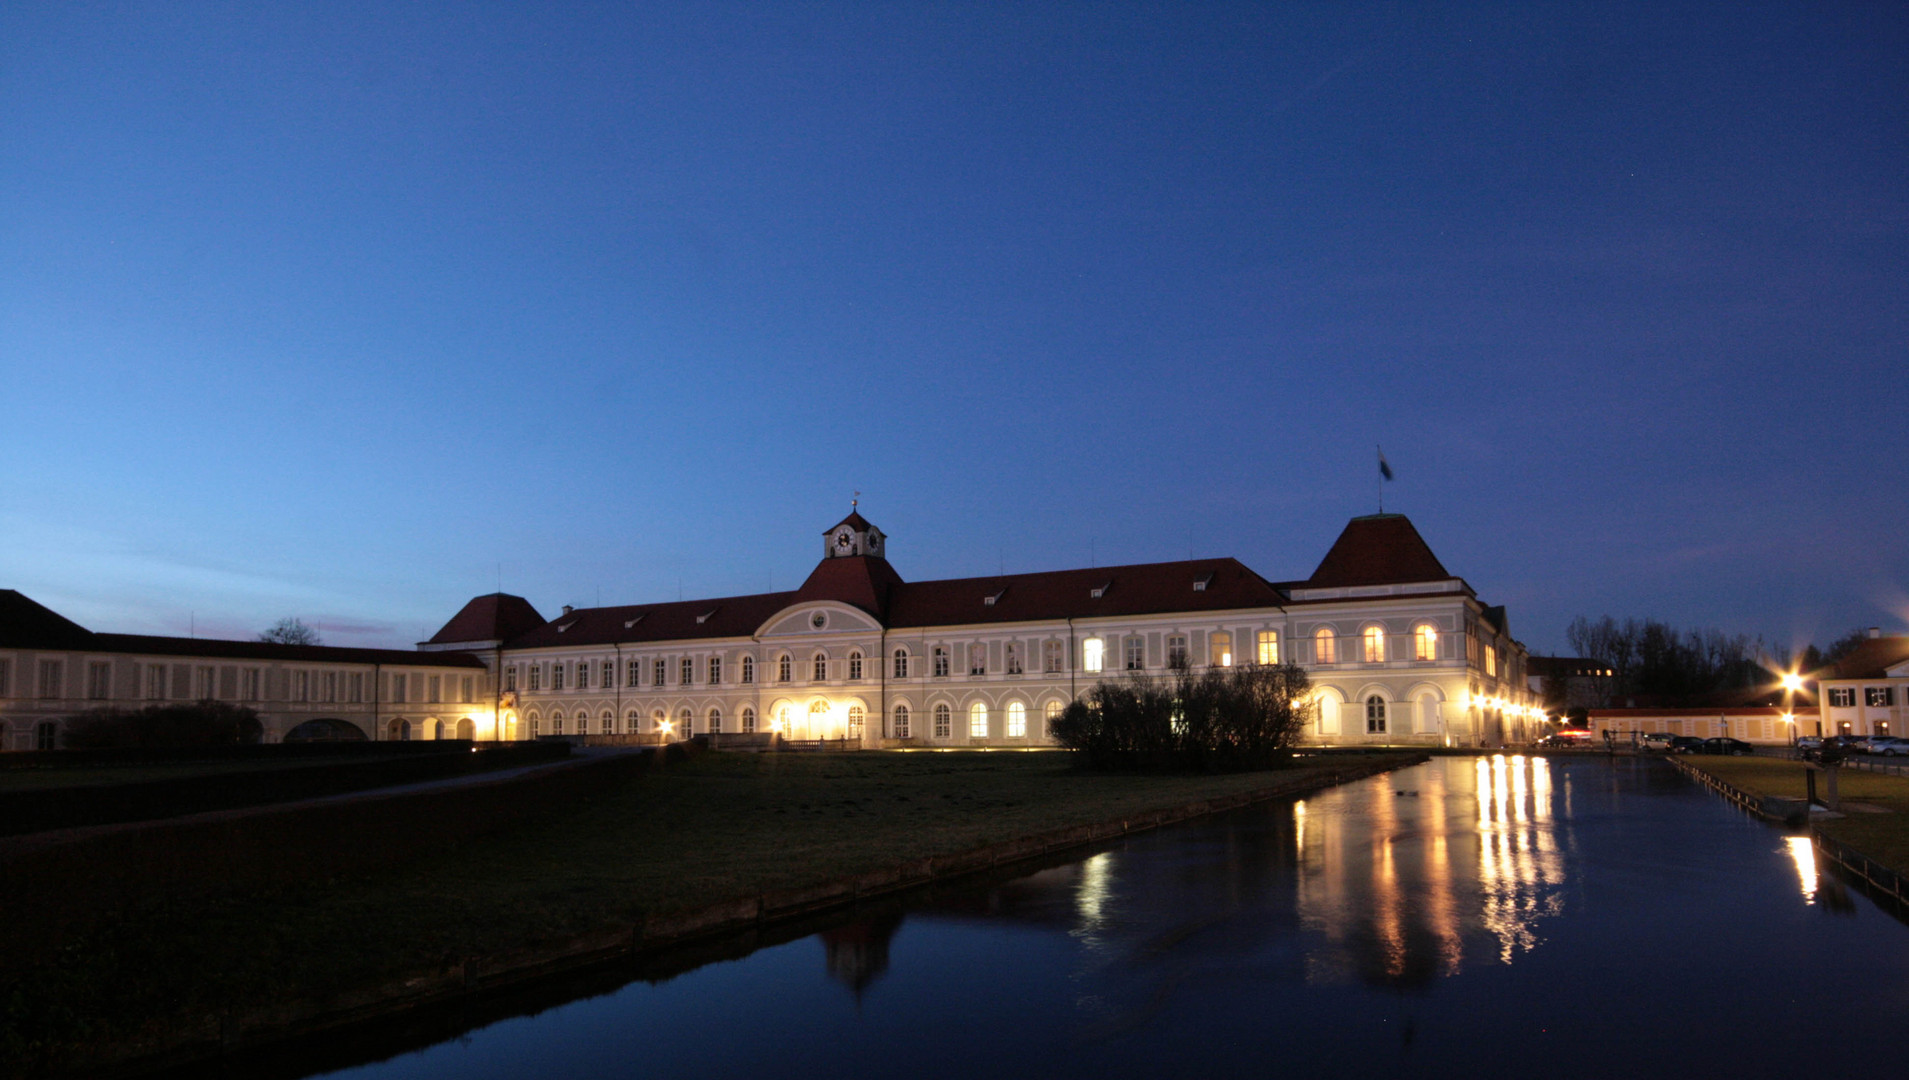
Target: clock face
(874, 542)
(843, 541)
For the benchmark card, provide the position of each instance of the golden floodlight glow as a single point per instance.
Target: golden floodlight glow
(1792, 681)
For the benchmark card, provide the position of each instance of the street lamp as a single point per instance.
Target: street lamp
(1792, 682)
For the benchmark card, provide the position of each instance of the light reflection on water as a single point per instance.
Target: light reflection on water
(1432, 920)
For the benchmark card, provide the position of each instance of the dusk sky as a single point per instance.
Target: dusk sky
(353, 311)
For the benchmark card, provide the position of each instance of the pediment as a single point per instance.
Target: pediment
(800, 620)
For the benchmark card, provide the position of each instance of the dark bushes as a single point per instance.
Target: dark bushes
(1219, 720)
(197, 723)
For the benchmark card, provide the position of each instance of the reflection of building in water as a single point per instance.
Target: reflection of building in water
(857, 953)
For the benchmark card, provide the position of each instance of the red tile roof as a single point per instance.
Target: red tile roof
(497, 617)
(1145, 589)
(1871, 659)
(686, 620)
(1381, 549)
(854, 520)
(268, 650)
(866, 581)
(28, 624)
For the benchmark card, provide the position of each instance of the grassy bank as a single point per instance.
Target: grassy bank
(719, 827)
(1882, 836)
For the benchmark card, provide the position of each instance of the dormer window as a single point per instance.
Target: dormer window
(704, 617)
(628, 623)
(995, 595)
(1200, 584)
(1100, 590)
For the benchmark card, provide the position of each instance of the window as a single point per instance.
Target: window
(715, 670)
(202, 683)
(45, 734)
(328, 692)
(510, 680)
(977, 721)
(1425, 642)
(1219, 649)
(536, 675)
(1176, 650)
(1491, 660)
(901, 722)
(686, 723)
(1051, 657)
(1374, 645)
(1013, 650)
(941, 662)
(1325, 646)
(819, 667)
(855, 666)
(99, 680)
(1092, 652)
(556, 725)
(857, 717)
(156, 681)
(556, 676)
(748, 672)
(6, 683)
(467, 688)
(1268, 647)
(659, 672)
(901, 663)
(783, 664)
(1053, 713)
(435, 688)
(978, 659)
(52, 675)
(608, 722)
(715, 721)
(633, 673)
(633, 722)
(944, 718)
(302, 686)
(748, 720)
(1136, 653)
(606, 677)
(1375, 715)
(687, 669)
(1878, 697)
(1017, 720)
(658, 720)
(536, 725)
(583, 674)
(249, 685)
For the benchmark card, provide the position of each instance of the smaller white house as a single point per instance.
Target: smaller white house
(1867, 692)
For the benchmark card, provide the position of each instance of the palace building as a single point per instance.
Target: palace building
(1398, 648)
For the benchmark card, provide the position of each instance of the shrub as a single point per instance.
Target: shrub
(197, 723)
(1219, 720)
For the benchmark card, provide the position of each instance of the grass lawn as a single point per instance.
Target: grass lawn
(47, 777)
(719, 827)
(1883, 837)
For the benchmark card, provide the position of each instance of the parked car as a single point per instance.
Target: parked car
(1722, 745)
(1657, 740)
(1809, 742)
(1853, 744)
(1888, 745)
(1686, 744)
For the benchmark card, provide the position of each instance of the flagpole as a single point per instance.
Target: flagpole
(1381, 451)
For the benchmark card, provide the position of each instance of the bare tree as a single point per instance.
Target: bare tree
(291, 631)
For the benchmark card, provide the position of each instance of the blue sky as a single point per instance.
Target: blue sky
(349, 312)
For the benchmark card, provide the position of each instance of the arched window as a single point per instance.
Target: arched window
(556, 724)
(857, 717)
(855, 665)
(715, 721)
(820, 666)
(1375, 715)
(1325, 646)
(944, 721)
(686, 723)
(1219, 649)
(633, 722)
(1017, 720)
(748, 720)
(657, 719)
(404, 730)
(818, 719)
(1052, 713)
(536, 725)
(781, 722)
(901, 722)
(748, 670)
(1425, 642)
(901, 663)
(608, 722)
(46, 735)
(783, 664)
(941, 662)
(1374, 645)
(977, 721)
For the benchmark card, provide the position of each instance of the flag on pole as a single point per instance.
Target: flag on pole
(1385, 470)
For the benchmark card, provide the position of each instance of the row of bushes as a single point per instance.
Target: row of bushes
(194, 723)
(1217, 720)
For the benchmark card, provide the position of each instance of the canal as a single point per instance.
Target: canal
(1493, 916)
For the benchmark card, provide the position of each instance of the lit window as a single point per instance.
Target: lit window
(856, 718)
(977, 721)
(783, 665)
(748, 673)
(1269, 646)
(748, 720)
(1053, 713)
(1491, 660)
(1176, 651)
(944, 721)
(977, 659)
(1374, 645)
(1092, 652)
(715, 670)
(657, 720)
(901, 722)
(855, 666)
(819, 667)
(1051, 657)
(1013, 657)
(1017, 720)
(1842, 697)
(688, 672)
(941, 662)
(1219, 649)
(1425, 642)
(1136, 653)
(1879, 697)
(1375, 715)
(1325, 646)
(901, 665)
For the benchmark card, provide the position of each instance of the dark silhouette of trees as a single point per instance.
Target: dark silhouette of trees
(1216, 720)
(194, 723)
(291, 631)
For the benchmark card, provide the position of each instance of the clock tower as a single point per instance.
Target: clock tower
(853, 535)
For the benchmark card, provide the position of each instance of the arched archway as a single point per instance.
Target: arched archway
(433, 729)
(467, 729)
(326, 729)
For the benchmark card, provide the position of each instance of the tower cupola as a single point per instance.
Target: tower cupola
(853, 535)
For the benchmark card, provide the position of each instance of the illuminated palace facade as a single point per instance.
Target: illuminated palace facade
(1399, 650)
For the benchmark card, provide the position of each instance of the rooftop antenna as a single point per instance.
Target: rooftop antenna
(500, 577)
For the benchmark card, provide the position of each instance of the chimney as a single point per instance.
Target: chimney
(567, 609)
(1875, 632)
